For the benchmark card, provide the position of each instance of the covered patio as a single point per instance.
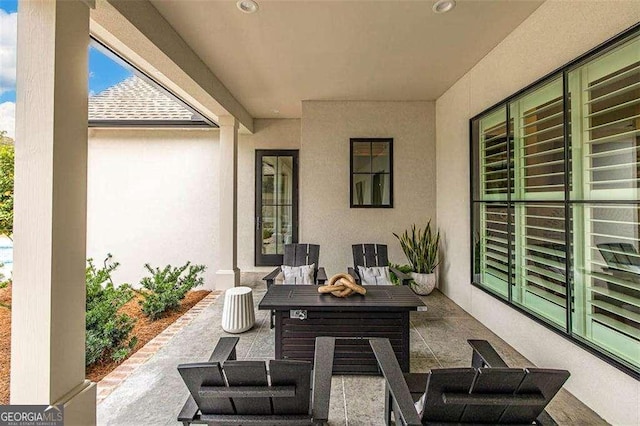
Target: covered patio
(438, 339)
(272, 84)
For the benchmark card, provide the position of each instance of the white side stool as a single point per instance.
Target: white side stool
(238, 314)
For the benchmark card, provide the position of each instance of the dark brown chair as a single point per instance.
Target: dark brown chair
(487, 393)
(370, 255)
(298, 255)
(228, 392)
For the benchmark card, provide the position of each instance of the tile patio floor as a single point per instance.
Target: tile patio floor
(154, 393)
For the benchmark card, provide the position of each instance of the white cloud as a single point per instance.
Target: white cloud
(8, 31)
(8, 118)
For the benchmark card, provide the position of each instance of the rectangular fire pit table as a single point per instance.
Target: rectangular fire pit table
(302, 314)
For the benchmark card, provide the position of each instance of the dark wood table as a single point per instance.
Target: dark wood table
(302, 314)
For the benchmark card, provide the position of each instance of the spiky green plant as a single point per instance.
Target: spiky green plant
(421, 248)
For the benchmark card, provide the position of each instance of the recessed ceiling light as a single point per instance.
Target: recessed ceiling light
(247, 6)
(442, 6)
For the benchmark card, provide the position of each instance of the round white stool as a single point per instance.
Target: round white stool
(237, 314)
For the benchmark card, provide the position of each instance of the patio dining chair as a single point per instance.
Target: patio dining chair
(373, 255)
(286, 392)
(487, 393)
(298, 254)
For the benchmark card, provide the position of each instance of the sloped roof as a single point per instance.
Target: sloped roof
(135, 99)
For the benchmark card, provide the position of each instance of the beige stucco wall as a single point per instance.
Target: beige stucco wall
(269, 134)
(153, 198)
(325, 216)
(153, 195)
(554, 34)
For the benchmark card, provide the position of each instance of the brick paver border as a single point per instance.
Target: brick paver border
(114, 379)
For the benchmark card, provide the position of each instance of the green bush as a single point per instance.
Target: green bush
(167, 287)
(402, 268)
(7, 157)
(107, 330)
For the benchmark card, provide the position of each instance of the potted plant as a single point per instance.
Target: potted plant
(421, 248)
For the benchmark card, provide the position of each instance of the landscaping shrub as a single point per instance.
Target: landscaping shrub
(107, 330)
(167, 287)
(7, 157)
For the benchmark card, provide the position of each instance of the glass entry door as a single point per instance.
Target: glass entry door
(276, 204)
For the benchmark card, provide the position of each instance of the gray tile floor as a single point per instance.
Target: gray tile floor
(154, 393)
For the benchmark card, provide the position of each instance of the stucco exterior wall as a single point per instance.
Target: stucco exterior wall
(325, 216)
(153, 198)
(553, 35)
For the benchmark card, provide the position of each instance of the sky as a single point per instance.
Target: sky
(104, 71)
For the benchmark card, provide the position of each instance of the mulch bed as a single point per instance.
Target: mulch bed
(5, 343)
(144, 329)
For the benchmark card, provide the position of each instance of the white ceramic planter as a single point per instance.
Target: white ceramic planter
(423, 283)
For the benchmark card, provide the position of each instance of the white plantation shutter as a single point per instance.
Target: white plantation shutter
(493, 155)
(540, 249)
(541, 257)
(611, 277)
(494, 244)
(539, 140)
(606, 93)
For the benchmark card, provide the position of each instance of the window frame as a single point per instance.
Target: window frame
(389, 141)
(476, 199)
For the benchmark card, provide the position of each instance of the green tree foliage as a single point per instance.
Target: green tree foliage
(108, 332)
(7, 159)
(167, 287)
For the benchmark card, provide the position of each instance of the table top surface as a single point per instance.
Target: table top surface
(378, 298)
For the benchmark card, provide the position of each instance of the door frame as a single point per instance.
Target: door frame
(273, 259)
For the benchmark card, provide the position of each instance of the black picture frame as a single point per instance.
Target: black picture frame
(377, 198)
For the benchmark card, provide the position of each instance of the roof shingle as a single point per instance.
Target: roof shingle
(135, 99)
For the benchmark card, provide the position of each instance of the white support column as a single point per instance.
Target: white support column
(228, 275)
(48, 307)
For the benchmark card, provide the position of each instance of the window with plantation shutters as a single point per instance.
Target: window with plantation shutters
(540, 283)
(605, 105)
(556, 201)
(610, 269)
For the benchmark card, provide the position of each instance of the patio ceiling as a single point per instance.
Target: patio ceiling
(340, 50)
